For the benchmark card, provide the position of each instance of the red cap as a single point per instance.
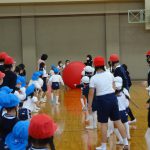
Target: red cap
(148, 53)
(114, 58)
(99, 61)
(42, 126)
(2, 75)
(3, 55)
(9, 60)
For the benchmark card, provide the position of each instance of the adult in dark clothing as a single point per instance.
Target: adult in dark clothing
(10, 77)
(147, 135)
(89, 61)
(120, 71)
(3, 55)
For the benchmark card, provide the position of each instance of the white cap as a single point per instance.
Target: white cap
(85, 79)
(88, 69)
(118, 83)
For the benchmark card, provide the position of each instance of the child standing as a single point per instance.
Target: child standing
(55, 81)
(123, 104)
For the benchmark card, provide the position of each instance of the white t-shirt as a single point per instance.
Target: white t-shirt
(40, 81)
(36, 84)
(56, 78)
(22, 94)
(103, 83)
(123, 102)
(30, 103)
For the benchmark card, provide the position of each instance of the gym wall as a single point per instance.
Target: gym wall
(72, 31)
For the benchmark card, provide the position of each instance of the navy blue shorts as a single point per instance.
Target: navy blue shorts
(44, 87)
(107, 107)
(55, 85)
(124, 116)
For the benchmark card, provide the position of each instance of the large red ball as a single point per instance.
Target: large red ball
(72, 73)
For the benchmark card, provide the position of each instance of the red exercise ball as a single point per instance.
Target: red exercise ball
(72, 73)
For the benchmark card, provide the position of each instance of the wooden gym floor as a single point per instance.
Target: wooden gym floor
(70, 119)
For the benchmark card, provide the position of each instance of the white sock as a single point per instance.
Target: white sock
(118, 134)
(82, 102)
(127, 129)
(90, 120)
(52, 96)
(94, 114)
(103, 145)
(110, 128)
(57, 97)
(125, 141)
(147, 137)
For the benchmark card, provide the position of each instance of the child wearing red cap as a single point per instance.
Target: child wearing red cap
(3, 55)
(10, 77)
(106, 101)
(120, 71)
(41, 132)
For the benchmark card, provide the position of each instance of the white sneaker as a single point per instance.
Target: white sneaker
(89, 127)
(57, 103)
(100, 148)
(95, 127)
(119, 143)
(133, 121)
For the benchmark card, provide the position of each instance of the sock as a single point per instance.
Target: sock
(147, 137)
(52, 96)
(103, 145)
(118, 134)
(94, 114)
(110, 128)
(57, 97)
(82, 102)
(90, 120)
(127, 129)
(125, 141)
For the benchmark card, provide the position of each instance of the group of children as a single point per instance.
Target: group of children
(104, 98)
(101, 83)
(19, 128)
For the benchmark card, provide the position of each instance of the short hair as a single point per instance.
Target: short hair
(100, 67)
(44, 57)
(42, 142)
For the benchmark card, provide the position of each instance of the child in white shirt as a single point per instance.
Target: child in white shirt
(55, 81)
(123, 104)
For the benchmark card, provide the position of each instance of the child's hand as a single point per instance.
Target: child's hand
(75, 85)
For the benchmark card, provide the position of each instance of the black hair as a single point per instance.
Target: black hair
(89, 56)
(17, 69)
(100, 67)
(42, 142)
(59, 62)
(42, 64)
(8, 66)
(2, 60)
(118, 91)
(115, 62)
(10, 108)
(67, 61)
(22, 66)
(44, 57)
